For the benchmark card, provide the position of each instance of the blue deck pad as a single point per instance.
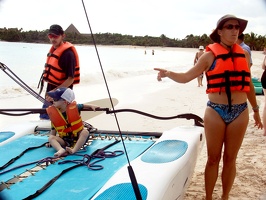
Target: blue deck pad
(6, 135)
(14, 148)
(80, 183)
(165, 151)
(123, 191)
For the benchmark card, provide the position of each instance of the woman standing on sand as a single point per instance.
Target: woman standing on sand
(229, 86)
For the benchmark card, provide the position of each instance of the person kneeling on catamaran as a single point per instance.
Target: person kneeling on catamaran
(66, 121)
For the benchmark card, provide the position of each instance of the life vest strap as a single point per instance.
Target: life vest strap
(230, 55)
(52, 55)
(227, 89)
(75, 122)
(50, 67)
(230, 74)
(231, 83)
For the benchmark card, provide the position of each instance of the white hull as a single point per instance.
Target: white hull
(163, 171)
(21, 129)
(163, 181)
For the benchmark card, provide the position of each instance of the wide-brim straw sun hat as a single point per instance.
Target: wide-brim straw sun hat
(242, 23)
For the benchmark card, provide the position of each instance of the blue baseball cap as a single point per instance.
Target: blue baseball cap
(62, 93)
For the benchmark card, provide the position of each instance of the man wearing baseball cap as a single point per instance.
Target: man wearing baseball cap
(56, 30)
(62, 64)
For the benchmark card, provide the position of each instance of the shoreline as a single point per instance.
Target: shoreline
(127, 46)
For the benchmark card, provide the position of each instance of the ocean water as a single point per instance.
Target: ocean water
(128, 71)
(27, 60)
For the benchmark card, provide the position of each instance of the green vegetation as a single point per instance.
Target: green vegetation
(256, 42)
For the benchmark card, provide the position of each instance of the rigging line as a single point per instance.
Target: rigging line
(105, 81)
(14, 77)
(19, 83)
(26, 87)
(130, 169)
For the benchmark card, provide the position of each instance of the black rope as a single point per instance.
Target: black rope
(135, 185)
(46, 160)
(109, 94)
(105, 81)
(49, 183)
(198, 120)
(16, 114)
(22, 111)
(187, 116)
(27, 111)
(21, 154)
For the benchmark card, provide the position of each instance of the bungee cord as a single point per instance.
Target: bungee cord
(198, 121)
(99, 154)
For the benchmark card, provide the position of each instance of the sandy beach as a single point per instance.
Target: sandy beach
(250, 182)
(167, 98)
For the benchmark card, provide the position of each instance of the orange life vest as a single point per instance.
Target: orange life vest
(69, 127)
(53, 73)
(231, 70)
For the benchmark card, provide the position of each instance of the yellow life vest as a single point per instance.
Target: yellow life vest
(69, 127)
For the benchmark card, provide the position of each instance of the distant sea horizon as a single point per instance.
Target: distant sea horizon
(27, 61)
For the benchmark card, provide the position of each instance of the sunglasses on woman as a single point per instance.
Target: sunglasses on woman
(231, 26)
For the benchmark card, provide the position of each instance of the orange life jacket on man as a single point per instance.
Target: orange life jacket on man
(230, 71)
(53, 73)
(69, 127)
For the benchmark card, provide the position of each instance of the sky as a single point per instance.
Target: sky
(173, 18)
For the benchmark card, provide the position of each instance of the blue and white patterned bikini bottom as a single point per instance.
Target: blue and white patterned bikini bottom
(222, 110)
